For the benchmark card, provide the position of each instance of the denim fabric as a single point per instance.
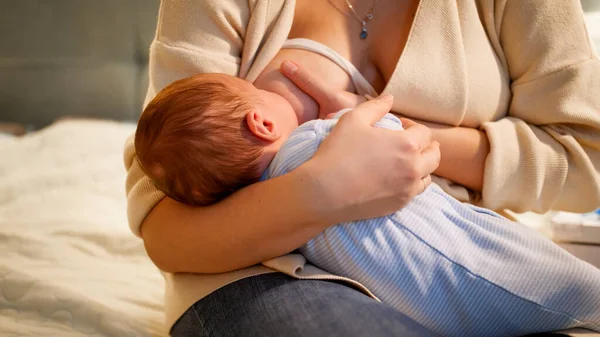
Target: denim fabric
(276, 305)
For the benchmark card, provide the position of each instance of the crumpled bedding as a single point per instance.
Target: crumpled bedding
(69, 266)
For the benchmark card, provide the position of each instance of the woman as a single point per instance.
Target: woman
(509, 89)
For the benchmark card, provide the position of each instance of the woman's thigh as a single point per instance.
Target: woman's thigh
(277, 305)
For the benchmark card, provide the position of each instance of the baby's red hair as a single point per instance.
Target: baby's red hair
(193, 141)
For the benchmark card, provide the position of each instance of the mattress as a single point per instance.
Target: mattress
(69, 266)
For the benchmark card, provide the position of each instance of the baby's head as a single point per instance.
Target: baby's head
(206, 136)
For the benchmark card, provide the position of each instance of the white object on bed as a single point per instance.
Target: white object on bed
(573, 227)
(69, 266)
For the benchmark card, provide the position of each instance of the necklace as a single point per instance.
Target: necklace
(363, 32)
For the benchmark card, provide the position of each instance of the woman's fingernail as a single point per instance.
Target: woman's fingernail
(289, 67)
(386, 97)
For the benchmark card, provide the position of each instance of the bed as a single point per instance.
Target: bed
(68, 264)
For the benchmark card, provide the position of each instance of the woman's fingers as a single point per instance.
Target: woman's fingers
(372, 111)
(351, 100)
(418, 135)
(418, 138)
(430, 159)
(306, 81)
(394, 164)
(406, 123)
(329, 99)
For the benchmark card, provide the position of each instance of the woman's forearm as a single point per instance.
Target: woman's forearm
(464, 151)
(257, 223)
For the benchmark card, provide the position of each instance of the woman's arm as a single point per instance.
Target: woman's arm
(546, 153)
(260, 222)
(272, 218)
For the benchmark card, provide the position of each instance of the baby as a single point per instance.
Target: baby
(206, 136)
(457, 269)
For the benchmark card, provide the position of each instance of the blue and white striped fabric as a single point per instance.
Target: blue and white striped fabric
(457, 269)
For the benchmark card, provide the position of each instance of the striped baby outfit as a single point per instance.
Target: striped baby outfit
(457, 269)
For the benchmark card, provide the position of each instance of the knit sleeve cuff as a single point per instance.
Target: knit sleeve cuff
(525, 169)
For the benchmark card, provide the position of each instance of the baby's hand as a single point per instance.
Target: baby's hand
(330, 100)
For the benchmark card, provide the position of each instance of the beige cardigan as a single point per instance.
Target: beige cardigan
(523, 71)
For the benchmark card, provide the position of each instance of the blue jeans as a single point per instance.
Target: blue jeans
(276, 305)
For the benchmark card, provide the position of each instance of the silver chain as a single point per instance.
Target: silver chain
(368, 17)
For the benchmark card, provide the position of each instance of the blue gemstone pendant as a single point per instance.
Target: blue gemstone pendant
(363, 34)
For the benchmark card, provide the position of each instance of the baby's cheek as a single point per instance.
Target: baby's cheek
(305, 107)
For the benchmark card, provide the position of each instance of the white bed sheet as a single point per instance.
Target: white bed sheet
(69, 266)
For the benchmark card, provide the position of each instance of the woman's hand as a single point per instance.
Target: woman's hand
(330, 101)
(367, 171)
(386, 168)
(464, 149)
(464, 153)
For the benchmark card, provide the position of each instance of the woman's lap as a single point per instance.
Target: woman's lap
(277, 305)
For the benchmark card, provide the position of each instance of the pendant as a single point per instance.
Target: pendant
(364, 34)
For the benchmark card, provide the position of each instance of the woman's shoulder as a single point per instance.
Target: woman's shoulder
(236, 15)
(180, 19)
(214, 31)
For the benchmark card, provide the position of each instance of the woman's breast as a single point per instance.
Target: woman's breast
(271, 79)
(446, 73)
(319, 65)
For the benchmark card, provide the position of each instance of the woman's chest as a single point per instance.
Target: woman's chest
(358, 30)
(434, 56)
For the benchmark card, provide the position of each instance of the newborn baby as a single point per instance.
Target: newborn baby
(457, 269)
(206, 136)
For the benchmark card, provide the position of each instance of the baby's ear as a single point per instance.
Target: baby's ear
(262, 126)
